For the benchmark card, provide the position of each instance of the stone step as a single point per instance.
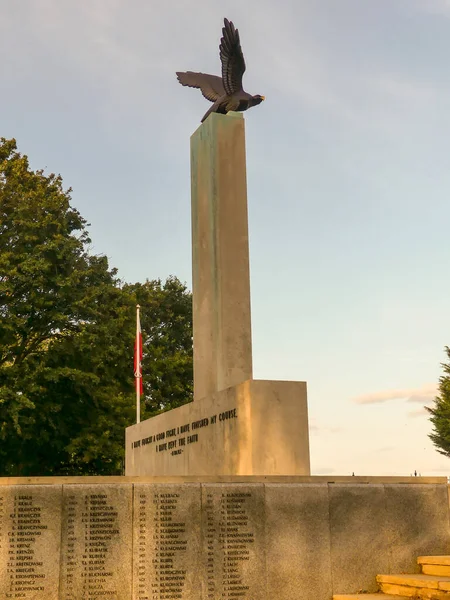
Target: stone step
(435, 565)
(439, 570)
(434, 560)
(364, 597)
(427, 587)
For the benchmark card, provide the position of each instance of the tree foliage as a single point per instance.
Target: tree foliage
(440, 412)
(166, 318)
(67, 328)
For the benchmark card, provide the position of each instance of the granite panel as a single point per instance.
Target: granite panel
(418, 524)
(298, 542)
(30, 534)
(167, 542)
(234, 542)
(96, 542)
(359, 537)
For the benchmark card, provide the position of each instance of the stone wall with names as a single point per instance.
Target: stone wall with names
(96, 542)
(30, 534)
(213, 541)
(234, 544)
(167, 541)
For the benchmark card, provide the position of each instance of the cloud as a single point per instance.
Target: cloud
(423, 398)
(334, 429)
(433, 468)
(421, 395)
(120, 54)
(435, 7)
(400, 90)
(419, 412)
(386, 449)
(324, 471)
(314, 429)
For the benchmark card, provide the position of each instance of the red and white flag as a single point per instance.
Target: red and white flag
(138, 356)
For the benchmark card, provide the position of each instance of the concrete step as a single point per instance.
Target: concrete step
(428, 587)
(439, 570)
(435, 565)
(434, 560)
(364, 597)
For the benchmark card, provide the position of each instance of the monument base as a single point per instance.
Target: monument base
(247, 538)
(254, 428)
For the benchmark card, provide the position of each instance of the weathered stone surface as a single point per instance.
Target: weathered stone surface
(359, 536)
(111, 479)
(279, 428)
(234, 542)
(415, 586)
(30, 534)
(256, 428)
(96, 542)
(220, 257)
(167, 541)
(418, 523)
(298, 542)
(213, 541)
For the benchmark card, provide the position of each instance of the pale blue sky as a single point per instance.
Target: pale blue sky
(348, 181)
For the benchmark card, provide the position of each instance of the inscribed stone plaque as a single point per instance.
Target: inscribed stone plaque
(96, 542)
(167, 542)
(298, 542)
(226, 434)
(234, 547)
(30, 534)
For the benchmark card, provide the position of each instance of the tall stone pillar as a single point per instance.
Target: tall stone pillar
(236, 425)
(220, 255)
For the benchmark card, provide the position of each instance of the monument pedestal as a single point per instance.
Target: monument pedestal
(254, 428)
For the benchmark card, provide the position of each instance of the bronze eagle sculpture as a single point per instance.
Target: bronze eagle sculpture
(226, 92)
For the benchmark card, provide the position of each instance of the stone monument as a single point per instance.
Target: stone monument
(229, 510)
(218, 502)
(236, 425)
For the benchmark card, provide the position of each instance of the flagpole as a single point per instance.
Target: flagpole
(138, 373)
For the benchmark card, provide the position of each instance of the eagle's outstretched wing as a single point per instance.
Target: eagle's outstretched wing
(211, 86)
(233, 63)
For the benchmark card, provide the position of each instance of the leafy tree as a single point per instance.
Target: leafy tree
(67, 329)
(440, 413)
(53, 300)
